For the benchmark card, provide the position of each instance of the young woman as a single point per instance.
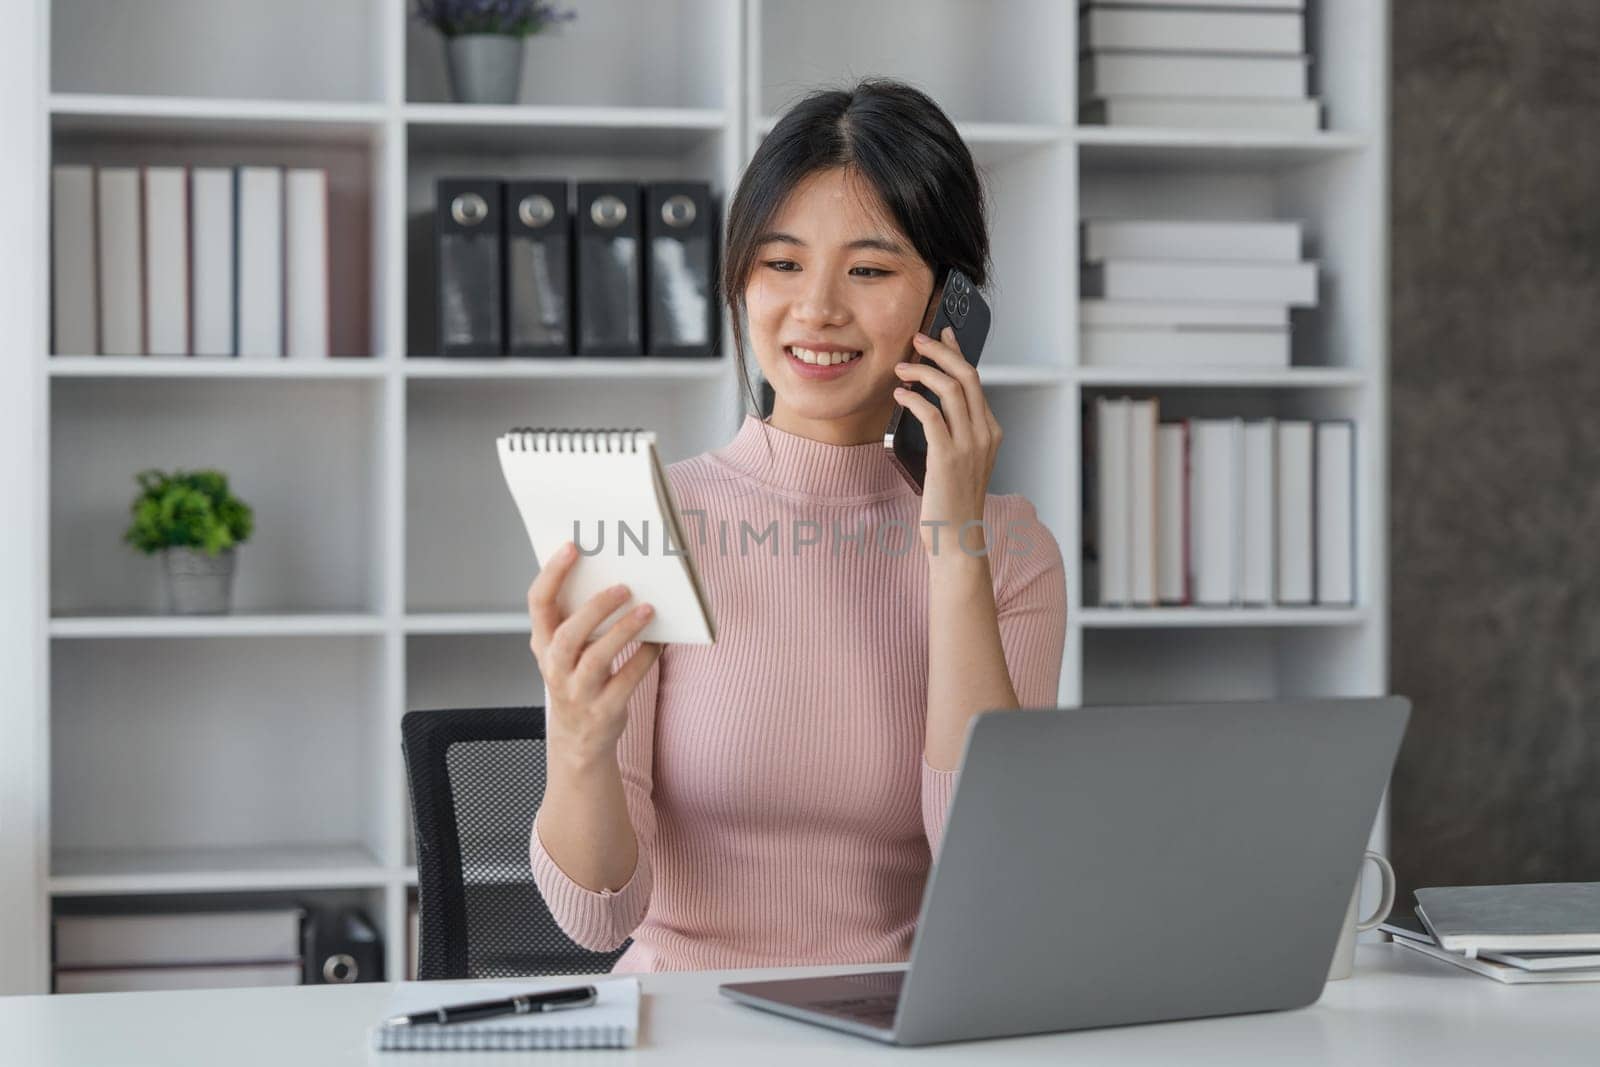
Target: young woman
(776, 798)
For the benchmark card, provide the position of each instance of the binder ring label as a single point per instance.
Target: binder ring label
(536, 211)
(678, 210)
(608, 211)
(469, 209)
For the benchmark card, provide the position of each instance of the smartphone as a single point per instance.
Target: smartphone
(956, 302)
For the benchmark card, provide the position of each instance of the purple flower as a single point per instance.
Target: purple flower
(513, 18)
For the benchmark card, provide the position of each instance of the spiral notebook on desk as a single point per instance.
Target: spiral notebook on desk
(611, 1022)
(606, 491)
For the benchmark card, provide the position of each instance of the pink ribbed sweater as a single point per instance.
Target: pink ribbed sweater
(775, 780)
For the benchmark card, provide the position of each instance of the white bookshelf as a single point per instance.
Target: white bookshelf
(180, 762)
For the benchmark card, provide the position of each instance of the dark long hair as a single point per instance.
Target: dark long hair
(905, 148)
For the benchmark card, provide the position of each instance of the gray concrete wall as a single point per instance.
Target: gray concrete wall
(1495, 462)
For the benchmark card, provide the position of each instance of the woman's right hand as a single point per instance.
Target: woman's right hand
(586, 705)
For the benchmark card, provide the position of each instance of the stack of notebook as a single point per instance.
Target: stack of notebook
(612, 1021)
(1186, 293)
(1542, 932)
(1227, 64)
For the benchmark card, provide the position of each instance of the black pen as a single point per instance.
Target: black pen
(527, 1003)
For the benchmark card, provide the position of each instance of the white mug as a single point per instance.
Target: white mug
(1344, 954)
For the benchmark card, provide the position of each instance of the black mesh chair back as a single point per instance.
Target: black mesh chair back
(477, 778)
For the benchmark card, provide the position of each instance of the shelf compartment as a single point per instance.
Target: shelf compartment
(288, 49)
(507, 152)
(302, 454)
(1344, 330)
(1262, 662)
(173, 761)
(81, 872)
(618, 53)
(1348, 44)
(351, 156)
(486, 564)
(966, 56)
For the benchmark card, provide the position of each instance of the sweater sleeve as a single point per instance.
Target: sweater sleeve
(601, 920)
(1031, 608)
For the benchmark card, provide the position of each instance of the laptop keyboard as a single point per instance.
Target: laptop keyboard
(875, 1011)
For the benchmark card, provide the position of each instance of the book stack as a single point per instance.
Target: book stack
(179, 261)
(1187, 293)
(1516, 934)
(1219, 512)
(1207, 64)
(113, 953)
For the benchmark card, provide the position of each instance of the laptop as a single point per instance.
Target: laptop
(1103, 866)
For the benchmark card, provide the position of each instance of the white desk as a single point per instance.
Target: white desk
(1400, 1008)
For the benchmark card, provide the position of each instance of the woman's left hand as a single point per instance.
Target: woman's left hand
(963, 440)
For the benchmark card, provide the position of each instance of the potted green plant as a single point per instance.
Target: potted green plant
(484, 43)
(194, 521)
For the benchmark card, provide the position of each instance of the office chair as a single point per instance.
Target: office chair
(477, 777)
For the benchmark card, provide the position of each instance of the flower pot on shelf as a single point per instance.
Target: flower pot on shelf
(198, 584)
(485, 68)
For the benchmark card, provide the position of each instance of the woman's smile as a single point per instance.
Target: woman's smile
(821, 364)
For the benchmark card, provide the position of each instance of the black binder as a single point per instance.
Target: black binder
(610, 298)
(467, 219)
(340, 946)
(680, 269)
(538, 229)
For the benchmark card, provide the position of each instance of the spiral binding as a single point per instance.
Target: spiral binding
(543, 439)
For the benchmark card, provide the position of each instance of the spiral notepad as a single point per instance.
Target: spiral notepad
(606, 491)
(611, 1022)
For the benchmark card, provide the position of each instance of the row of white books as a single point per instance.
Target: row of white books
(208, 261)
(1225, 64)
(1185, 292)
(1221, 512)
